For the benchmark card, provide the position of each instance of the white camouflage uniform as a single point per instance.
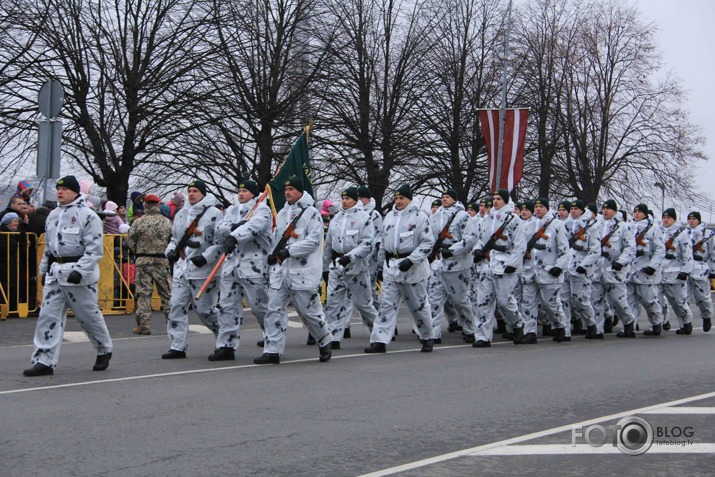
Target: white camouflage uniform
(703, 266)
(643, 288)
(678, 260)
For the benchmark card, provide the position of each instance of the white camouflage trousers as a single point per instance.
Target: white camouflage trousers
(497, 290)
(700, 288)
(615, 294)
(415, 295)
(677, 295)
(344, 292)
(230, 306)
(310, 310)
(183, 293)
(452, 286)
(56, 300)
(645, 295)
(549, 297)
(576, 297)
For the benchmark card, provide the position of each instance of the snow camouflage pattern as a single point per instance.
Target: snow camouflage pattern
(297, 278)
(643, 288)
(374, 261)
(72, 230)
(703, 266)
(351, 233)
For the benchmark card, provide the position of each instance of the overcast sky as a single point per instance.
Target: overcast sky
(686, 39)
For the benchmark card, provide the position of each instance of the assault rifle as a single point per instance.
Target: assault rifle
(540, 234)
(580, 235)
(669, 243)
(698, 247)
(191, 231)
(443, 235)
(640, 242)
(606, 241)
(288, 234)
(498, 234)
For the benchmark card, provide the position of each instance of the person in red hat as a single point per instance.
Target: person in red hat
(147, 238)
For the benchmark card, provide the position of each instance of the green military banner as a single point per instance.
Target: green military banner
(296, 165)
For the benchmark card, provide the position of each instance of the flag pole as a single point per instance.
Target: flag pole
(502, 109)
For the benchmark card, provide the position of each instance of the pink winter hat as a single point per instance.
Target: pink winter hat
(325, 209)
(110, 207)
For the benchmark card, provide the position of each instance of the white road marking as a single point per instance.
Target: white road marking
(225, 368)
(75, 336)
(585, 449)
(683, 410)
(528, 437)
(200, 329)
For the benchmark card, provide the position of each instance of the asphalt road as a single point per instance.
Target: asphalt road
(355, 415)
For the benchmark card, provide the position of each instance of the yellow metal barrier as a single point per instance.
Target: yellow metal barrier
(18, 274)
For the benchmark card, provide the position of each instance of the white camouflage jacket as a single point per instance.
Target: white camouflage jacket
(678, 254)
(462, 240)
(510, 247)
(585, 251)
(406, 231)
(550, 251)
(376, 218)
(254, 239)
(650, 252)
(351, 233)
(73, 230)
(620, 247)
(704, 254)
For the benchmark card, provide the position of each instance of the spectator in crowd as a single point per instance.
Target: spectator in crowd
(24, 190)
(10, 222)
(176, 203)
(16, 205)
(38, 218)
(17, 259)
(136, 203)
(122, 213)
(111, 220)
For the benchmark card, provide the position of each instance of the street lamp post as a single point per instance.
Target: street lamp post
(661, 186)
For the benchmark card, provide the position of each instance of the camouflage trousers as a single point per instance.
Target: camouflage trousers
(310, 310)
(183, 293)
(645, 295)
(230, 307)
(497, 290)
(677, 295)
(549, 297)
(452, 286)
(152, 271)
(615, 294)
(415, 295)
(700, 288)
(576, 300)
(344, 292)
(56, 299)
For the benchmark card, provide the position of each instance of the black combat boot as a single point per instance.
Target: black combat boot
(39, 370)
(654, 332)
(628, 331)
(376, 348)
(268, 358)
(707, 324)
(518, 334)
(223, 354)
(326, 353)
(591, 332)
(427, 345)
(481, 344)
(102, 362)
(174, 354)
(685, 330)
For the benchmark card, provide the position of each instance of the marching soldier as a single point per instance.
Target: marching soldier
(677, 266)
(348, 248)
(703, 265)
(643, 284)
(147, 238)
(527, 281)
(407, 240)
(452, 254)
(617, 253)
(549, 250)
(564, 210)
(375, 266)
(246, 231)
(502, 243)
(194, 253)
(70, 272)
(585, 243)
(295, 271)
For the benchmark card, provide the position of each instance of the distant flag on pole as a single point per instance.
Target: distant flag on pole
(297, 164)
(513, 149)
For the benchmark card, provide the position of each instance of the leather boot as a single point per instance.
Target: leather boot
(628, 331)
(518, 334)
(174, 354)
(608, 326)
(666, 325)
(591, 332)
(102, 362)
(347, 333)
(326, 353)
(685, 330)
(268, 358)
(39, 370)
(223, 354)
(376, 348)
(311, 341)
(468, 338)
(654, 332)
(529, 338)
(139, 330)
(427, 345)
(481, 344)
(559, 335)
(335, 345)
(546, 330)
(707, 324)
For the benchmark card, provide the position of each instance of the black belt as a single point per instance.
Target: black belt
(155, 255)
(669, 256)
(65, 259)
(394, 256)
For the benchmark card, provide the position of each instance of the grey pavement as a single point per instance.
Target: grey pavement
(354, 415)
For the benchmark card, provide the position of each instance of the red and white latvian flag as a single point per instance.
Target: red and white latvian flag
(512, 165)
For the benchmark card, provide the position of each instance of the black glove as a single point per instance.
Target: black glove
(199, 261)
(283, 254)
(272, 260)
(405, 265)
(640, 253)
(649, 271)
(509, 269)
(616, 266)
(430, 257)
(43, 280)
(235, 226)
(326, 274)
(173, 256)
(379, 275)
(479, 255)
(555, 271)
(581, 270)
(230, 244)
(344, 260)
(193, 244)
(604, 254)
(74, 278)
(446, 252)
(683, 276)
